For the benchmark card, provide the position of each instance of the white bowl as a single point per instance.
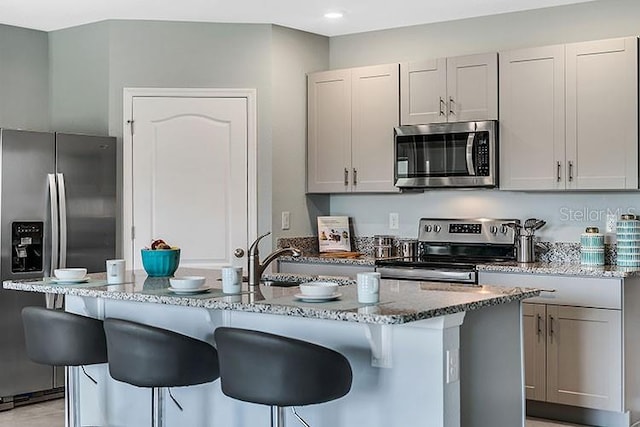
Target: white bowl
(318, 289)
(70, 273)
(187, 282)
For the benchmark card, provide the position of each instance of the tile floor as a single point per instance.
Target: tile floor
(51, 414)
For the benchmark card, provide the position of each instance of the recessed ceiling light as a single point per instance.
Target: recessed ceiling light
(333, 15)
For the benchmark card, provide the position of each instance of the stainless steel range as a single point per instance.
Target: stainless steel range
(450, 249)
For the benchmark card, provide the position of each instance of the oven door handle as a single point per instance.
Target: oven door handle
(426, 275)
(471, 169)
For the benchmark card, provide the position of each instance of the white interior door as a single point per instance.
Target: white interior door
(189, 171)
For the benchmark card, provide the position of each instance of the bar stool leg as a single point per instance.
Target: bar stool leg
(72, 406)
(277, 416)
(157, 407)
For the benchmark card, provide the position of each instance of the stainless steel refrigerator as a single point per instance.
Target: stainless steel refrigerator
(58, 209)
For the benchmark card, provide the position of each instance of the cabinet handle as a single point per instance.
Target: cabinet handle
(550, 326)
(539, 324)
(355, 176)
(451, 102)
(346, 176)
(558, 169)
(442, 104)
(570, 171)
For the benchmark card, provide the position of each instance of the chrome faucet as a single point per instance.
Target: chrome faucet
(256, 268)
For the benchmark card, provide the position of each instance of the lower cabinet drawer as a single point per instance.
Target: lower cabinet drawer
(562, 290)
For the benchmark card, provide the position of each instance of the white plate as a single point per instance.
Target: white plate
(318, 298)
(69, 281)
(199, 290)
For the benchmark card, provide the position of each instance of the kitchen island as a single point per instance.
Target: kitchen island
(426, 355)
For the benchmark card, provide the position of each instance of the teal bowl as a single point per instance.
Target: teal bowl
(160, 262)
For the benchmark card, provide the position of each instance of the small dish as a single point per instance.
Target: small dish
(318, 289)
(70, 273)
(187, 282)
(199, 290)
(318, 298)
(69, 281)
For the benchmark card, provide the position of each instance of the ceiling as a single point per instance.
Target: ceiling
(308, 15)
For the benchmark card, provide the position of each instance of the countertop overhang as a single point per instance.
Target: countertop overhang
(400, 302)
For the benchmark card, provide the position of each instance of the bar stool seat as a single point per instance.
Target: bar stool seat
(146, 356)
(58, 338)
(273, 370)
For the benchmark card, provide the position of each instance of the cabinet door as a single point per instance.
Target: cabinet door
(602, 114)
(329, 132)
(584, 357)
(374, 114)
(535, 353)
(532, 117)
(423, 87)
(472, 87)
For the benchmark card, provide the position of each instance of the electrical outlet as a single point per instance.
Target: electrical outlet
(611, 223)
(453, 366)
(285, 220)
(394, 221)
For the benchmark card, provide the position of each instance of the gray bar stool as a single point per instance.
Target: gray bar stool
(146, 356)
(273, 370)
(58, 338)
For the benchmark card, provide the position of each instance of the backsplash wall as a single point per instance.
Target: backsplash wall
(567, 214)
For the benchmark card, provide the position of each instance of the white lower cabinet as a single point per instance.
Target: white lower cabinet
(572, 339)
(573, 355)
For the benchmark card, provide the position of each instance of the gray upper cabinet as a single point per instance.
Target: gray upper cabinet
(463, 88)
(569, 116)
(351, 116)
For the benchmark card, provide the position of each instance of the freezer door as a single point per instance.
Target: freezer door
(27, 158)
(87, 166)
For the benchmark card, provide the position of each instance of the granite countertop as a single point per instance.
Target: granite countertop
(561, 269)
(317, 259)
(554, 268)
(399, 302)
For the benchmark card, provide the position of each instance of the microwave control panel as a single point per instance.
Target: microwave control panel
(482, 154)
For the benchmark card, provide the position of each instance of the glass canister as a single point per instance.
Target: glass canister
(592, 247)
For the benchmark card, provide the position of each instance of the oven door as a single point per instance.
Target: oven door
(445, 155)
(428, 274)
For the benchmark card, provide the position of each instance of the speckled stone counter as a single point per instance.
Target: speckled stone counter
(400, 302)
(399, 349)
(561, 269)
(315, 259)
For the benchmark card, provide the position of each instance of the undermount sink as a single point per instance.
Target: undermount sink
(280, 283)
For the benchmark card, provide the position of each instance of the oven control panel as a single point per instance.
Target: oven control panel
(474, 231)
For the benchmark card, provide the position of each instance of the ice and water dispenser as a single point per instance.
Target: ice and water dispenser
(27, 240)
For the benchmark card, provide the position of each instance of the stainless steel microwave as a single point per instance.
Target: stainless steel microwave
(462, 154)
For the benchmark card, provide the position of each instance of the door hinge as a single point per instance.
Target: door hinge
(133, 233)
(130, 123)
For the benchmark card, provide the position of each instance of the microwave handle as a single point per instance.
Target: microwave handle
(471, 169)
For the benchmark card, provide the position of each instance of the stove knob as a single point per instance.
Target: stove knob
(493, 229)
(427, 228)
(437, 228)
(503, 229)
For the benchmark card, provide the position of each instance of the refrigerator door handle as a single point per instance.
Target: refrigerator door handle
(53, 197)
(62, 202)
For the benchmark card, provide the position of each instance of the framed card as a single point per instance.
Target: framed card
(334, 234)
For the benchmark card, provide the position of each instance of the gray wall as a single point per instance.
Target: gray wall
(24, 78)
(294, 54)
(567, 213)
(92, 64)
(79, 78)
